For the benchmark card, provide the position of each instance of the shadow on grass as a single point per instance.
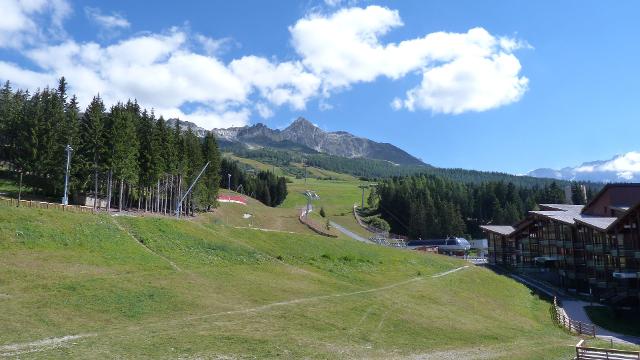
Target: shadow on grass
(620, 321)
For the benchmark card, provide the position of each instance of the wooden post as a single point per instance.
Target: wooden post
(580, 328)
(20, 189)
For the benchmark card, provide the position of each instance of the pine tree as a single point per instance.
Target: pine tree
(123, 146)
(92, 149)
(211, 178)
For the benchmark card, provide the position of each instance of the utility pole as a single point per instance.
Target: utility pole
(229, 182)
(179, 205)
(363, 187)
(304, 165)
(65, 198)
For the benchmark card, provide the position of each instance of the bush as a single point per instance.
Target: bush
(377, 222)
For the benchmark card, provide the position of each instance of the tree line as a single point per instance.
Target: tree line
(428, 206)
(374, 170)
(264, 186)
(124, 154)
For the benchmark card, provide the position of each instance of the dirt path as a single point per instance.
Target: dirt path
(300, 300)
(122, 228)
(39, 345)
(53, 343)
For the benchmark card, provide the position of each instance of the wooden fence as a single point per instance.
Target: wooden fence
(319, 229)
(572, 325)
(591, 353)
(44, 205)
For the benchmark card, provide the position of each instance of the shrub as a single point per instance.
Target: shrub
(377, 222)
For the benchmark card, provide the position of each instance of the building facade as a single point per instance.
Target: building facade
(593, 249)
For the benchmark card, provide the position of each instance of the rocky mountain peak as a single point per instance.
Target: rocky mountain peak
(303, 132)
(301, 124)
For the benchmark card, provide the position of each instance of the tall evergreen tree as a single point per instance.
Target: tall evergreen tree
(92, 149)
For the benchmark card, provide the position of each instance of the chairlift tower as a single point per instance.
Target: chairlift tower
(311, 196)
(179, 205)
(364, 187)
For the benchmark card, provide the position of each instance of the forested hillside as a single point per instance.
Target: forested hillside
(428, 206)
(265, 186)
(124, 154)
(370, 169)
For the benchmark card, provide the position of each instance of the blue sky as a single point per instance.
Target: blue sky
(536, 84)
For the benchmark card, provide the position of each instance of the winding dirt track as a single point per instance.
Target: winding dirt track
(11, 350)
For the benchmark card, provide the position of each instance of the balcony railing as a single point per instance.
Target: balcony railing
(597, 248)
(623, 252)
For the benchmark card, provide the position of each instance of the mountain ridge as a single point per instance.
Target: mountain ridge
(304, 133)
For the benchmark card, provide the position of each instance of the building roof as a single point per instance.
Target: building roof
(572, 214)
(598, 222)
(567, 217)
(564, 207)
(620, 208)
(499, 229)
(606, 188)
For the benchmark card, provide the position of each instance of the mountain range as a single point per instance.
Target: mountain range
(302, 135)
(620, 168)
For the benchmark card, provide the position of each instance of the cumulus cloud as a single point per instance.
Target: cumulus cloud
(264, 110)
(22, 21)
(625, 166)
(213, 46)
(108, 22)
(175, 70)
(472, 71)
(160, 71)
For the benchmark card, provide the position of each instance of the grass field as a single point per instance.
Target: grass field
(336, 196)
(201, 290)
(256, 164)
(262, 216)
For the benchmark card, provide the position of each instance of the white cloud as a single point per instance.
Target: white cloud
(210, 118)
(161, 72)
(468, 84)
(175, 70)
(283, 83)
(264, 110)
(472, 71)
(213, 46)
(22, 21)
(108, 22)
(626, 166)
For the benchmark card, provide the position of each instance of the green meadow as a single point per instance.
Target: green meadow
(149, 287)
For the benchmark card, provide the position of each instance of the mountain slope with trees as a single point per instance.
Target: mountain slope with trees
(124, 154)
(427, 206)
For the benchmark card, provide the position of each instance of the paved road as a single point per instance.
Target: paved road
(575, 309)
(349, 233)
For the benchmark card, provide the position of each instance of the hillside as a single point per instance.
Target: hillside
(210, 291)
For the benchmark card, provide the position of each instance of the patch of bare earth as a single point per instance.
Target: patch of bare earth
(40, 345)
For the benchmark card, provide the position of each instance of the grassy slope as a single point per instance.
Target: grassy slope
(336, 196)
(262, 216)
(67, 273)
(256, 164)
